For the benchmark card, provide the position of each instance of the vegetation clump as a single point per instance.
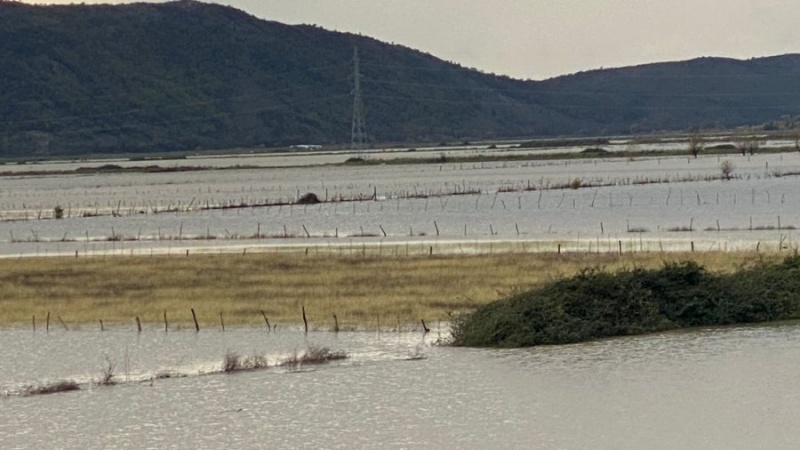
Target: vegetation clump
(107, 374)
(597, 304)
(52, 388)
(313, 355)
(233, 362)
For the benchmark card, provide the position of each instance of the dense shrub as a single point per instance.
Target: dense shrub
(595, 304)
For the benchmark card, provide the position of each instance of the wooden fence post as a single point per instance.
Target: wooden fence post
(264, 315)
(194, 317)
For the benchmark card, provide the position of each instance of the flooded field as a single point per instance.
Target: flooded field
(724, 388)
(729, 388)
(648, 204)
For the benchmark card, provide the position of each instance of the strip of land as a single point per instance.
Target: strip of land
(397, 291)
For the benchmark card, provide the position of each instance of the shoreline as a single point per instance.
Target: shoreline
(756, 241)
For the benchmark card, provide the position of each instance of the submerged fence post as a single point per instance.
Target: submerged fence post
(221, 321)
(166, 324)
(305, 321)
(47, 329)
(138, 325)
(425, 329)
(264, 315)
(194, 318)
(335, 324)
(33, 320)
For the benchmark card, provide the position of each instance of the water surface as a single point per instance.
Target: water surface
(729, 388)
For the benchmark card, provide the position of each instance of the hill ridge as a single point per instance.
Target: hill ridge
(189, 75)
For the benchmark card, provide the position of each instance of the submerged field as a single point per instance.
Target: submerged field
(393, 246)
(363, 291)
(387, 246)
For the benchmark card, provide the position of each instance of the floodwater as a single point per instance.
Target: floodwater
(648, 204)
(723, 388)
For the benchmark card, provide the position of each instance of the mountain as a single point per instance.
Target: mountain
(703, 92)
(187, 75)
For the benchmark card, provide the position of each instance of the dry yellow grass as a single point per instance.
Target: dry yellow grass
(401, 290)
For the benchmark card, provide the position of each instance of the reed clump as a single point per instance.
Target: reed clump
(107, 373)
(233, 362)
(597, 303)
(311, 356)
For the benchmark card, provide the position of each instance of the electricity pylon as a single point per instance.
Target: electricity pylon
(358, 132)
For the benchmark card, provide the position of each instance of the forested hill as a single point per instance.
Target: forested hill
(187, 75)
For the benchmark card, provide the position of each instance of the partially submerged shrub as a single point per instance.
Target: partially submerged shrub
(256, 361)
(595, 304)
(313, 355)
(52, 388)
(107, 375)
(727, 169)
(231, 362)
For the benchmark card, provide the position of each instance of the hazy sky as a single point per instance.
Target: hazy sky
(544, 38)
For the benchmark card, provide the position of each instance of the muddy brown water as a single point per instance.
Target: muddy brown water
(723, 388)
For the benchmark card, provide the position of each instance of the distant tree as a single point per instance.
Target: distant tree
(696, 144)
(748, 143)
(797, 140)
(726, 168)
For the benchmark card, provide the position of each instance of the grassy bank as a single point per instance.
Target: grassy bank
(597, 303)
(358, 289)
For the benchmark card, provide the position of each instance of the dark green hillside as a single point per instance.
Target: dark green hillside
(187, 75)
(704, 92)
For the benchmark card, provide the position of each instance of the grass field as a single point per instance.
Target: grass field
(360, 290)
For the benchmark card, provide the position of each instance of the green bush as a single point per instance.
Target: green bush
(595, 304)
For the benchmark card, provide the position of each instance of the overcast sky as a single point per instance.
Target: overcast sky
(543, 38)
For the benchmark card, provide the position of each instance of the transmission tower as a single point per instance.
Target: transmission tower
(358, 133)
